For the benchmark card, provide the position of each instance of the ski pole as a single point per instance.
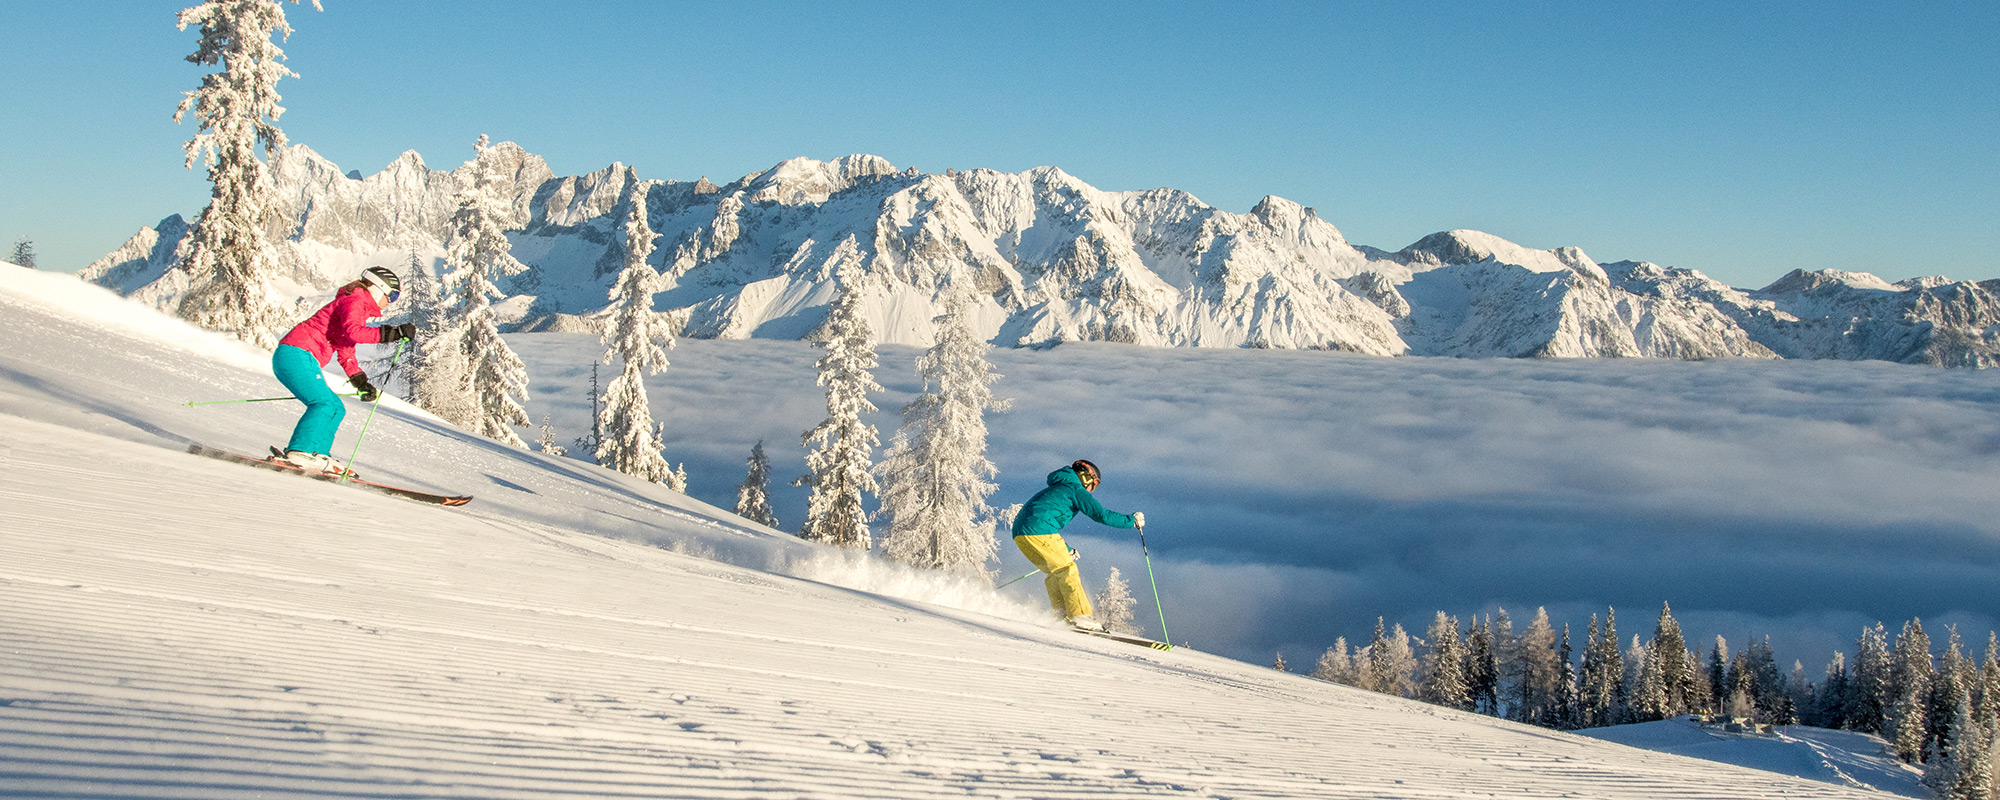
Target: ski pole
(252, 400)
(1165, 638)
(349, 471)
(1016, 580)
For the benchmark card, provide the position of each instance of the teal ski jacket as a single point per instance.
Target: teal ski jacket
(1052, 508)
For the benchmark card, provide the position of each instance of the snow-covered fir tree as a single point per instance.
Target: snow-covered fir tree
(1564, 713)
(1954, 673)
(1482, 668)
(840, 447)
(1910, 686)
(1649, 692)
(477, 254)
(1391, 662)
(1444, 665)
(639, 337)
(23, 253)
(753, 501)
(1603, 670)
(548, 441)
(1718, 674)
(1115, 605)
(429, 358)
(228, 258)
(1336, 665)
(1535, 676)
(1957, 750)
(1829, 708)
(1986, 721)
(588, 442)
(1677, 677)
(1868, 687)
(936, 478)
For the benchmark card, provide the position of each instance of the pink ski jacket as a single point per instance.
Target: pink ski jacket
(337, 327)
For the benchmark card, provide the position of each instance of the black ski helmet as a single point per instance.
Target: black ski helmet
(383, 277)
(1084, 467)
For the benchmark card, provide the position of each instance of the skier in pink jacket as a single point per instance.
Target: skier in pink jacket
(331, 332)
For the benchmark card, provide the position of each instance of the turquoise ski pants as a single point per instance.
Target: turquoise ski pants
(300, 372)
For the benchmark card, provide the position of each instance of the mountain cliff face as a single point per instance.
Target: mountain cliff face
(1052, 259)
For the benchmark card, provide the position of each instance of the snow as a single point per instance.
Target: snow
(1841, 757)
(181, 627)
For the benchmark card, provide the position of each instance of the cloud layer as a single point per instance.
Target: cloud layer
(1294, 496)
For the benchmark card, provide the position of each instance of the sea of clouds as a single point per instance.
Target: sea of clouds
(1293, 497)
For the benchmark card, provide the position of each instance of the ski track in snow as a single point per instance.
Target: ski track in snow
(178, 627)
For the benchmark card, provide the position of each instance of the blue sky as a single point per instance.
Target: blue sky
(1743, 140)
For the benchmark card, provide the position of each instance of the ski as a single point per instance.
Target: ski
(278, 466)
(1120, 637)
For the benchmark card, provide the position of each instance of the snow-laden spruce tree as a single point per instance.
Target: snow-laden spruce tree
(548, 441)
(422, 364)
(1391, 662)
(639, 338)
(477, 254)
(227, 257)
(1598, 692)
(1444, 665)
(588, 442)
(1115, 605)
(1868, 688)
(1536, 673)
(1677, 680)
(1482, 667)
(24, 253)
(936, 478)
(1910, 687)
(838, 471)
(1336, 665)
(753, 497)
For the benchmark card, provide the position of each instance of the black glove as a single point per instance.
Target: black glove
(361, 384)
(397, 333)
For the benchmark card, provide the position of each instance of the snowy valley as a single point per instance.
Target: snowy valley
(180, 627)
(1053, 259)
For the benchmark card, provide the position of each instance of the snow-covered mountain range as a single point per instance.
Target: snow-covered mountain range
(1053, 259)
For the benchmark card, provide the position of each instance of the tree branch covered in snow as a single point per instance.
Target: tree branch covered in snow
(639, 338)
(838, 470)
(476, 254)
(936, 478)
(228, 259)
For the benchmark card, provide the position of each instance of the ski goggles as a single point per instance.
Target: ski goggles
(394, 294)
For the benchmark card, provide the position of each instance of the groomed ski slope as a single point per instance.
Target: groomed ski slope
(177, 627)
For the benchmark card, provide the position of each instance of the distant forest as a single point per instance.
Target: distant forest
(1939, 709)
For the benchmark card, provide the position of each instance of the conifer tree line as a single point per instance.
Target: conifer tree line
(1935, 707)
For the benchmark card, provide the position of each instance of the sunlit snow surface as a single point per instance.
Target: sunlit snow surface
(172, 626)
(1843, 757)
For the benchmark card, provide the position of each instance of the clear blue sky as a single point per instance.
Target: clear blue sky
(1740, 139)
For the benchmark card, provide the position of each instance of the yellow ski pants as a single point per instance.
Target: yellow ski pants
(1050, 554)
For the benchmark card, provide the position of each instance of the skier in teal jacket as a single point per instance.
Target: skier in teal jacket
(1038, 532)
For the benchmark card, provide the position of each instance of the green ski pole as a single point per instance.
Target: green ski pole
(1165, 638)
(349, 471)
(1016, 580)
(252, 400)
